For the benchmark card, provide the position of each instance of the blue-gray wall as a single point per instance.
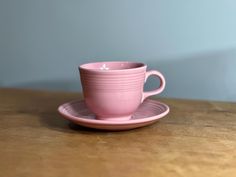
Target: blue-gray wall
(193, 42)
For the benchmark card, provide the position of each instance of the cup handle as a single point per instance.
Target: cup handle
(159, 89)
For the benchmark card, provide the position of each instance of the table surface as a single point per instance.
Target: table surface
(197, 138)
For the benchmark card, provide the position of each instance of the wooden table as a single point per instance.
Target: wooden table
(197, 138)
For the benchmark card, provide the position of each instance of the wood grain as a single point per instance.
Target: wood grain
(197, 138)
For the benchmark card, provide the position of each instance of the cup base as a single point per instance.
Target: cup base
(121, 118)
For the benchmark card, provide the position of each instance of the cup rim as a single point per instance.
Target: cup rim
(85, 66)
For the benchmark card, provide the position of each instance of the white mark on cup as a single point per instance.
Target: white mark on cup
(104, 67)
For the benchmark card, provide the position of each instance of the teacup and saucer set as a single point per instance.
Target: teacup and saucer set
(114, 98)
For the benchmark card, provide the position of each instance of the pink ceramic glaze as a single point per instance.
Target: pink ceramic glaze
(147, 113)
(114, 90)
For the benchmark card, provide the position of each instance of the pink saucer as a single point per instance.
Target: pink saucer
(147, 113)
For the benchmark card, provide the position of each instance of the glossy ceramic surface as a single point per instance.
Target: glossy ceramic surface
(147, 113)
(114, 90)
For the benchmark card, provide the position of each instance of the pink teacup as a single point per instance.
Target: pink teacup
(114, 90)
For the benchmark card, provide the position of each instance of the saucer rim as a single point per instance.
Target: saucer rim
(116, 123)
